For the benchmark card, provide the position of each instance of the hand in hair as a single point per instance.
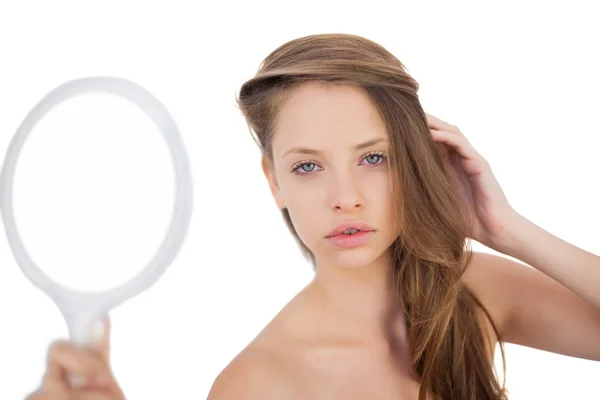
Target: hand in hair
(488, 207)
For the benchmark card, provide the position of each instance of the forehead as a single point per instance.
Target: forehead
(321, 115)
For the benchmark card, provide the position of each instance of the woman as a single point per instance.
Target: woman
(383, 199)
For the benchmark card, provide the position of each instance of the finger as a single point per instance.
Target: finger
(39, 395)
(443, 150)
(104, 347)
(86, 394)
(90, 395)
(458, 142)
(436, 123)
(65, 358)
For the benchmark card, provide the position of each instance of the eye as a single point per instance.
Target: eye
(303, 167)
(374, 158)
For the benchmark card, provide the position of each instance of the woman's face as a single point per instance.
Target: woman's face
(330, 154)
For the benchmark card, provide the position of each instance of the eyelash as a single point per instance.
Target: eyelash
(295, 168)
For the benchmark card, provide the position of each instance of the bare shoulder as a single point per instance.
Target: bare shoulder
(268, 367)
(485, 277)
(531, 309)
(256, 373)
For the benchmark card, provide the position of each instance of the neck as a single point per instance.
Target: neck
(355, 300)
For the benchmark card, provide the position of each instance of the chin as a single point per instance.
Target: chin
(360, 257)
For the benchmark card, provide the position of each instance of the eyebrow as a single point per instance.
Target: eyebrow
(306, 150)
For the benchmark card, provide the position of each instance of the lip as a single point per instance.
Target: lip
(361, 226)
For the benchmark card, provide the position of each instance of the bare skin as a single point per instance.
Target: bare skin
(312, 352)
(333, 341)
(90, 366)
(313, 349)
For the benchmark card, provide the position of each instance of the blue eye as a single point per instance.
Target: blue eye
(308, 167)
(374, 158)
(304, 167)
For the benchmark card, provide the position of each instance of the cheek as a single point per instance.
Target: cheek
(377, 190)
(305, 207)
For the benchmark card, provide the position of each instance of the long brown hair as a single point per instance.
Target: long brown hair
(450, 354)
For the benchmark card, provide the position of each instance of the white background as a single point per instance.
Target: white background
(519, 78)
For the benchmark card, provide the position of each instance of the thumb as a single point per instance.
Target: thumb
(104, 344)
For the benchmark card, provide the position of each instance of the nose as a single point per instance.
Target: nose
(346, 194)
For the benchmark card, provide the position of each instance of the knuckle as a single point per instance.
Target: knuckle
(54, 351)
(57, 352)
(57, 346)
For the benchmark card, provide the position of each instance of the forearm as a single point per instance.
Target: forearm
(573, 267)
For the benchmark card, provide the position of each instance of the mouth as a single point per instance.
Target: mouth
(349, 229)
